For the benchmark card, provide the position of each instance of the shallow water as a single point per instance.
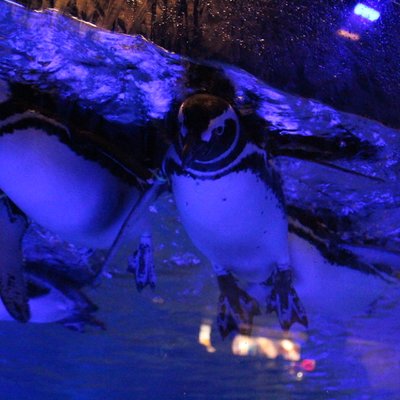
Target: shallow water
(150, 349)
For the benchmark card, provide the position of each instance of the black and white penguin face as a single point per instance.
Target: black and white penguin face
(208, 130)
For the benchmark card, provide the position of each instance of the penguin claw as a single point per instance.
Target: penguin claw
(236, 308)
(284, 300)
(142, 266)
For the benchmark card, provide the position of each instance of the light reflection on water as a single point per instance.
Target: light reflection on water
(150, 349)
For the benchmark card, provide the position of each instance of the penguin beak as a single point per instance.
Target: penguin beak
(190, 150)
(187, 155)
(193, 149)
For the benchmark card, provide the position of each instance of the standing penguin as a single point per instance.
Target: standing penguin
(231, 204)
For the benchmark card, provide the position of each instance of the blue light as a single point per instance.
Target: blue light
(366, 12)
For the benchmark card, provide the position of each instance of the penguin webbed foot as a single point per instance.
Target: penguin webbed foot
(284, 300)
(141, 264)
(236, 308)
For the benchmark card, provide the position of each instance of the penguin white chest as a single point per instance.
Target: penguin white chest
(235, 220)
(68, 194)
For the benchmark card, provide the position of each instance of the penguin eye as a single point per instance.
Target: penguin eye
(218, 131)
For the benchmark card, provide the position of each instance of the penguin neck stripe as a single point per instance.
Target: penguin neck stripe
(254, 162)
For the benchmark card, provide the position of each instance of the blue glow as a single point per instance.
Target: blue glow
(366, 12)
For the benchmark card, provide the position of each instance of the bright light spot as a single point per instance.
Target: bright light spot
(366, 12)
(241, 346)
(299, 376)
(205, 336)
(348, 35)
(289, 350)
(287, 345)
(244, 346)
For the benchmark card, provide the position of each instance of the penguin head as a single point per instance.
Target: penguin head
(208, 130)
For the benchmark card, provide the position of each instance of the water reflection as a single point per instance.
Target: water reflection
(251, 346)
(205, 336)
(274, 345)
(243, 345)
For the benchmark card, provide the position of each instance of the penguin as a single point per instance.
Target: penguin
(231, 204)
(55, 299)
(69, 184)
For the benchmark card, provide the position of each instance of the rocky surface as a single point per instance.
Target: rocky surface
(292, 45)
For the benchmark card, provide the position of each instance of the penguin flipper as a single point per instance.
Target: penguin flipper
(236, 308)
(13, 288)
(14, 293)
(284, 300)
(141, 264)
